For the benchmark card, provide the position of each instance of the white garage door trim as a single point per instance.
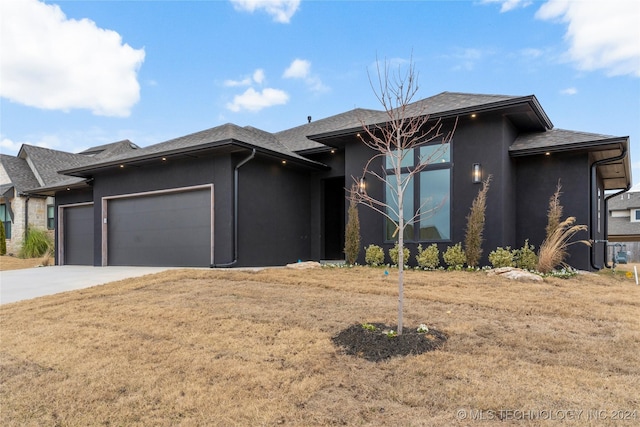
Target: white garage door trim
(61, 228)
(105, 210)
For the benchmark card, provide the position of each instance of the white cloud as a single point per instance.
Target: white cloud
(507, 5)
(531, 53)
(8, 146)
(11, 147)
(251, 100)
(467, 58)
(281, 10)
(301, 69)
(51, 62)
(601, 35)
(569, 91)
(257, 77)
(235, 83)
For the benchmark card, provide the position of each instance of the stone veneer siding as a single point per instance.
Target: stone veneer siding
(37, 219)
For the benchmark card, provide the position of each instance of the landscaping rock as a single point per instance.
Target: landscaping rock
(304, 265)
(515, 274)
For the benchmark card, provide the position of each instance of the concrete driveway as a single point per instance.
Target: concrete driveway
(18, 285)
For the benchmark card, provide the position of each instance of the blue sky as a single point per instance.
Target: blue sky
(76, 74)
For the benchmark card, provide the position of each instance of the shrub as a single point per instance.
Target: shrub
(553, 250)
(36, 243)
(554, 213)
(429, 257)
(352, 232)
(454, 256)
(475, 226)
(393, 254)
(3, 239)
(501, 257)
(525, 257)
(374, 255)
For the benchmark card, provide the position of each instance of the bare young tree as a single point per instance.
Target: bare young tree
(406, 127)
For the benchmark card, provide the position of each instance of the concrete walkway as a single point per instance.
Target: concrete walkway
(18, 285)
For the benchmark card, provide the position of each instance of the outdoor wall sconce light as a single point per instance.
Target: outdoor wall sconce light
(362, 185)
(476, 173)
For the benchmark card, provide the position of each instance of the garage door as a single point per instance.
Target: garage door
(77, 240)
(168, 229)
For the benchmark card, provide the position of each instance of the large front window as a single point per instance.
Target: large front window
(427, 197)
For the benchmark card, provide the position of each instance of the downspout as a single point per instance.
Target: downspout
(235, 212)
(594, 183)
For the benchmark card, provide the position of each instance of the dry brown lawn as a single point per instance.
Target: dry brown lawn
(15, 263)
(231, 348)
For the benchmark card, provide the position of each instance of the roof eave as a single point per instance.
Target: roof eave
(596, 145)
(50, 191)
(88, 170)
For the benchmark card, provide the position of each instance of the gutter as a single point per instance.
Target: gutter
(593, 185)
(235, 212)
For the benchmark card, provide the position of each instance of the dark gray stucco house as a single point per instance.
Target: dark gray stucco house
(239, 196)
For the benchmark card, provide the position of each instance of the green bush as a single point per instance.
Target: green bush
(393, 254)
(455, 257)
(525, 257)
(374, 255)
(501, 257)
(36, 243)
(3, 239)
(429, 257)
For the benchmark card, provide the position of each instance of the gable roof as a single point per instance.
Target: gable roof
(45, 163)
(19, 173)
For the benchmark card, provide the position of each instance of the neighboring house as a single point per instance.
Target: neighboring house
(624, 224)
(239, 196)
(20, 176)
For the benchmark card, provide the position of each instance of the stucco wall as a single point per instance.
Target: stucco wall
(537, 178)
(274, 213)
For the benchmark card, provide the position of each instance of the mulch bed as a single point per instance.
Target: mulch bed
(376, 346)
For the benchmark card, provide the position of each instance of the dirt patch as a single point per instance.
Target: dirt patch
(382, 343)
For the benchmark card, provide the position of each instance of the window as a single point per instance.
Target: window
(635, 215)
(6, 219)
(51, 217)
(427, 196)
